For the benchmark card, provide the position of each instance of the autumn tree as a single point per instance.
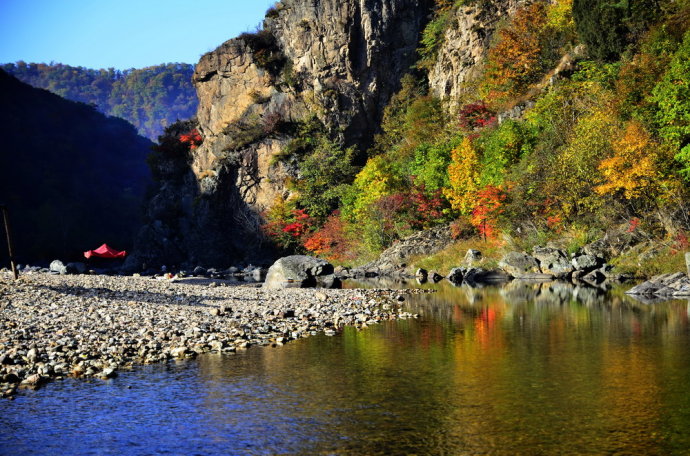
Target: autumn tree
(463, 177)
(514, 62)
(332, 241)
(632, 169)
(487, 210)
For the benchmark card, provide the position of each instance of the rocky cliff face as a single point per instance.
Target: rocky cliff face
(465, 45)
(338, 60)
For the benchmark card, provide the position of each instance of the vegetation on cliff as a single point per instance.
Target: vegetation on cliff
(579, 121)
(149, 98)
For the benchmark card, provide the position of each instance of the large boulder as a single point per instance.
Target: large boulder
(301, 271)
(553, 261)
(519, 265)
(585, 262)
(58, 267)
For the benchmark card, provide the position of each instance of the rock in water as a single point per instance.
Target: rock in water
(301, 271)
(456, 275)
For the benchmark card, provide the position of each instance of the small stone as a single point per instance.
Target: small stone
(108, 372)
(472, 256)
(179, 352)
(32, 380)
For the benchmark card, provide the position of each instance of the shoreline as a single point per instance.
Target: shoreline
(91, 326)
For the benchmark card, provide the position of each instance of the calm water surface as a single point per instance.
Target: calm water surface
(522, 369)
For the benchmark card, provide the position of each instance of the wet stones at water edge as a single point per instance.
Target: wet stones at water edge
(92, 326)
(474, 276)
(520, 265)
(674, 285)
(549, 263)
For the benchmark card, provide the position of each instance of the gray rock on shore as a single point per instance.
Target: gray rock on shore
(301, 271)
(553, 261)
(519, 265)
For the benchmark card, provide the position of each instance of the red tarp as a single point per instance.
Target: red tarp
(105, 251)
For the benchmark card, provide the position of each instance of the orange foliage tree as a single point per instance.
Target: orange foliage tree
(486, 212)
(514, 62)
(193, 138)
(331, 240)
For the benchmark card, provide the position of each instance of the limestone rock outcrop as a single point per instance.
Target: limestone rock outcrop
(338, 60)
(465, 46)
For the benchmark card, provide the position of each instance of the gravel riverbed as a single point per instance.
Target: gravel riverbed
(52, 326)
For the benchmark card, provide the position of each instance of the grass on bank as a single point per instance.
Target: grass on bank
(652, 260)
(453, 256)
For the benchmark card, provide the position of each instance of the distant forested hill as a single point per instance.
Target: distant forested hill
(149, 98)
(71, 177)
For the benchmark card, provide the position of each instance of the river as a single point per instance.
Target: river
(518, 369)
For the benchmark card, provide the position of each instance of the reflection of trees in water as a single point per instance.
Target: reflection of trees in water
(521, 302)
(525, 368)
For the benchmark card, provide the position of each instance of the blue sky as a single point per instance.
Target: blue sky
(121, 33)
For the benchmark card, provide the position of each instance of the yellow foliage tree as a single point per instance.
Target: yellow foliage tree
(574, 171)
(463, 175)
(632, 169)
(373, 182)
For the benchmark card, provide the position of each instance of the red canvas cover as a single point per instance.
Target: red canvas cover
(105, 251)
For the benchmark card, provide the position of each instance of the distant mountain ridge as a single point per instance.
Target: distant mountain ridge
(149, 98)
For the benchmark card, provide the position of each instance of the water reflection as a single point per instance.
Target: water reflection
(525, 368)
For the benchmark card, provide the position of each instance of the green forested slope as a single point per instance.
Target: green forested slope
(598, 136)
(149, 98)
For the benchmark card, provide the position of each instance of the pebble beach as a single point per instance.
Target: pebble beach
(92, 326)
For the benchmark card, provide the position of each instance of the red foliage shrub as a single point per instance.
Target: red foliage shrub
(193, 139)
(633, 224)
(331, 240)
(430, 209)
(287, 227)
(476, 115)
